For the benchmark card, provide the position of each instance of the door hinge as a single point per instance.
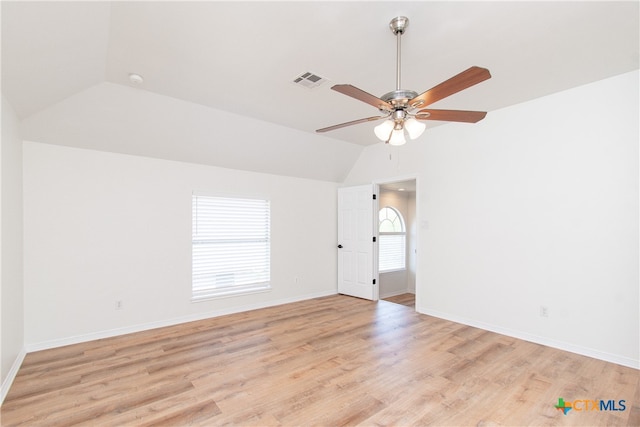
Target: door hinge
(374, 281)
(374, 239)
(374, 197)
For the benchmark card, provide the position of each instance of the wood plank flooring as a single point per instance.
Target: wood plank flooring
(329, 361)
(405, 299)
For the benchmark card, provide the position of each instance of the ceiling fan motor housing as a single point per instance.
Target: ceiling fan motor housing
(399, 98)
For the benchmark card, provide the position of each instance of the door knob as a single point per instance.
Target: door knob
(339, 246)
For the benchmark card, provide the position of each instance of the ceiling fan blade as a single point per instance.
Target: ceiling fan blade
(354, 122)
(363, 96)
(455, 84)
(451, 115)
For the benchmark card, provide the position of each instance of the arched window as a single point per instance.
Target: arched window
(392, 238)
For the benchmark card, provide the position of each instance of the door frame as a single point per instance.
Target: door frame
(419, 224)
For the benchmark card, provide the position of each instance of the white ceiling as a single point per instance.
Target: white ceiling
(241, 57)
(408, 186)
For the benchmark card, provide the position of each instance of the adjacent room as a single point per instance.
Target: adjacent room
(320, 213)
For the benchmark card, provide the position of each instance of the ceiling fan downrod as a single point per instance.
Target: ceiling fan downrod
(399, 97)
(398, 26)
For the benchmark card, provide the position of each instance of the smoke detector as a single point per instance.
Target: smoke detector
(135, 78)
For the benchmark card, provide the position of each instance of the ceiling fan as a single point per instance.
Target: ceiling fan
(402, 108)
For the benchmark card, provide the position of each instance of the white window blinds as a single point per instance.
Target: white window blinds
(391, 252)
(392, 244)
(231, 246)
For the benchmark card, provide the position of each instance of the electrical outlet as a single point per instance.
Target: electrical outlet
(544, 311)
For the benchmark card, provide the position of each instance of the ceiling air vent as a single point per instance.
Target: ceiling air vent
(309, 80)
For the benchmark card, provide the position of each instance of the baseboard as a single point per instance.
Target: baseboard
(11, 375)
(168, 322)
(560, 345)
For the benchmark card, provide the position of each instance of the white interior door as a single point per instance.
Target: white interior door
(357, 270)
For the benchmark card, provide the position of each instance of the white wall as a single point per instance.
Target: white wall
(537, 205)
(412, 238)
(120, 119)
(102, 227)
(11, 289)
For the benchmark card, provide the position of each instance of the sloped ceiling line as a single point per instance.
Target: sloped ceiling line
(63, 59)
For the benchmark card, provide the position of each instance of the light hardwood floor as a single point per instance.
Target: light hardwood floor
(405, 299)
(329, 361)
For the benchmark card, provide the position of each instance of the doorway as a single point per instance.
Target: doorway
(397, 231)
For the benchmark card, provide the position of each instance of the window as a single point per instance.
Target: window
(392, 246)
(230, 246)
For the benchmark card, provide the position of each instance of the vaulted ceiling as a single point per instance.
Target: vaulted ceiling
(208, 65)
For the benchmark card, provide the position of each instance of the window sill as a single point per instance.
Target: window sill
(392, 271)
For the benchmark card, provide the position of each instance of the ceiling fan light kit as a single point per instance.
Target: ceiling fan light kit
(399, 106)
(414, 128)
(383, 130)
